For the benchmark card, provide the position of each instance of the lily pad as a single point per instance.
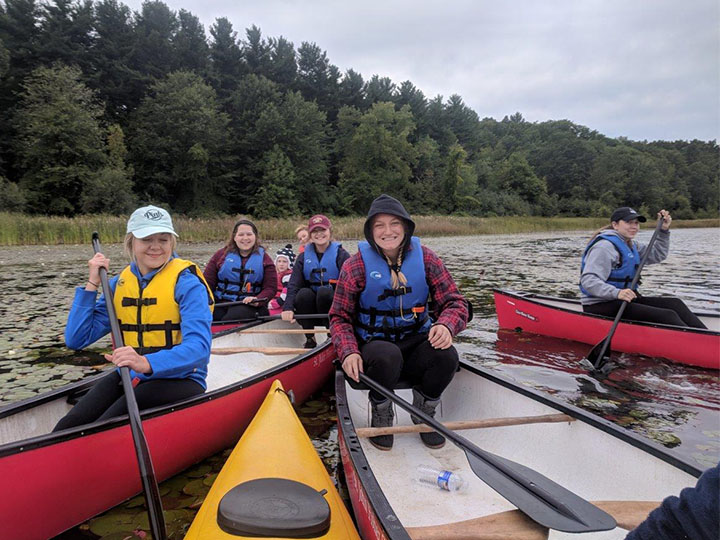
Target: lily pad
(196, 488)
(210, 479)
(198, 471)
(113, 522)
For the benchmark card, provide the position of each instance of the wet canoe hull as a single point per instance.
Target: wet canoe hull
(563, 318)
(59, 480)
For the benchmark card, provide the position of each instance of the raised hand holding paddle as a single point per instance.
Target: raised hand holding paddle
(600, 353)
(147, 472)
(541, 499)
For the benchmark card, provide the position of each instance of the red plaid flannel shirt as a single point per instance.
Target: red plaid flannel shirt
(449, 303)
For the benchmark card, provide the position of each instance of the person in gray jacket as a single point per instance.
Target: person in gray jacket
(608, 267)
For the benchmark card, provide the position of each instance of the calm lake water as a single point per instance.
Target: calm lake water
(672, 404)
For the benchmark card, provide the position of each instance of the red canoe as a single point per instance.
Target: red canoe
(563, 318)
(57, 480)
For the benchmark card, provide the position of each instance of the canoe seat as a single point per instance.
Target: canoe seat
(272, 507)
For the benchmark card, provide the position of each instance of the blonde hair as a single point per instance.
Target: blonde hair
(397, 278)
(300, 228)
(128, 246)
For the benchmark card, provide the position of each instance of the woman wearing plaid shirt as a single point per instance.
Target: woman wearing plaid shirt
(380, 321)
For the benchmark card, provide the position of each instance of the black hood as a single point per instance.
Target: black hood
(385, 204)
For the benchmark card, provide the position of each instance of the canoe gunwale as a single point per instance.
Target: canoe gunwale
(537, 299)
(48, 439)
(379, 504)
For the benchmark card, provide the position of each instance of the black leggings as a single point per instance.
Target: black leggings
(413, 359)
(655, 309)
(308, 301)
(106, 398)
(239, 312)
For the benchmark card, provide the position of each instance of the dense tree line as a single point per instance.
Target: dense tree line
(102, 108)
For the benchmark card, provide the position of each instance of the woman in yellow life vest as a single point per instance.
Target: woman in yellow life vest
(164, 307)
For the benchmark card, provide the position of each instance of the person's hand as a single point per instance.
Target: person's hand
(440, 336)
(288, 316)
(627, 295)
(128, 357)
(96, 263)
(352, 364)
(249, 299)
(667, 219)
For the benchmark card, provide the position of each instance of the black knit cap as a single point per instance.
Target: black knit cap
(288, 252)
(385, 204)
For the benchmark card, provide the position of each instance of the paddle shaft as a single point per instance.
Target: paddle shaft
(270, 317)
(605, 344)
(147, 472)
(514, 476)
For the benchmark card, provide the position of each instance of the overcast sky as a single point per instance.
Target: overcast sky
(643, 69)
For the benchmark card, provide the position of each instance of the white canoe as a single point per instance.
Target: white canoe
(592, 457)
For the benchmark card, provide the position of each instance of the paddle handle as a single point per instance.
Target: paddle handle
(606, 344)
(147, 472)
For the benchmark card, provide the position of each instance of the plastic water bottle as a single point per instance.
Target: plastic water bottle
(447, 480)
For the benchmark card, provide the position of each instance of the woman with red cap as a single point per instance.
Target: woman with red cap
(379, 320)
(312, 284)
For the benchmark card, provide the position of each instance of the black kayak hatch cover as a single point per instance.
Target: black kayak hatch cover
(268, 507)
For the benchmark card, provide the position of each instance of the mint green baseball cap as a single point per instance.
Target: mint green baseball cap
(150, 220)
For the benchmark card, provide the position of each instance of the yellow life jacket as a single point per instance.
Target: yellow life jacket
(150, 318)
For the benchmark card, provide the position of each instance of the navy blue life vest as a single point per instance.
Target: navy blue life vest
(237, 281)
(387, 313)
(622, 275)
(321, 274)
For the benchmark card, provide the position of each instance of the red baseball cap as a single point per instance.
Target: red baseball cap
(318, 221)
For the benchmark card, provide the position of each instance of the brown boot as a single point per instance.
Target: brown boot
(381, 416)
(432, 439)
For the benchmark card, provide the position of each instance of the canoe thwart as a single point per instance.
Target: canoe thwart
(283, 331)
(262, 350)
(467, 424)
(514, 525)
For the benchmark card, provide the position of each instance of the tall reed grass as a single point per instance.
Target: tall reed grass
(21, 229)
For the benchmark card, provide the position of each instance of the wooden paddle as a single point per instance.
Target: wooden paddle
(466, 424)
(283, 331)
(601, 352)
(268, 317)
(263, 350)
(147, 472)
(541, 499)
(514, 525)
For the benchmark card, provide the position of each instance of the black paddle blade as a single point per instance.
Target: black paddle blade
(544, 501)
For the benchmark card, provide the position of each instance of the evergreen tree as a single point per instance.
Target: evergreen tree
(153, 53)
(110, 191)
(60, 143)
(66, 33)
(283, 65)
(276, 196)
(352, 91)
(178, 145)
(380, 89)
(192, 52)
(227, 67)
(115, 82)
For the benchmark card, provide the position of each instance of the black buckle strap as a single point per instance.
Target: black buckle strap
(127, 301)
(387, 293)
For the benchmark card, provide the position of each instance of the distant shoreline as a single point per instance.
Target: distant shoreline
(21, 229)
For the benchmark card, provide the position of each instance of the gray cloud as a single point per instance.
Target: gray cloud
(641, 69)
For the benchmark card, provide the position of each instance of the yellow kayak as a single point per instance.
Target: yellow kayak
(273, 485)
